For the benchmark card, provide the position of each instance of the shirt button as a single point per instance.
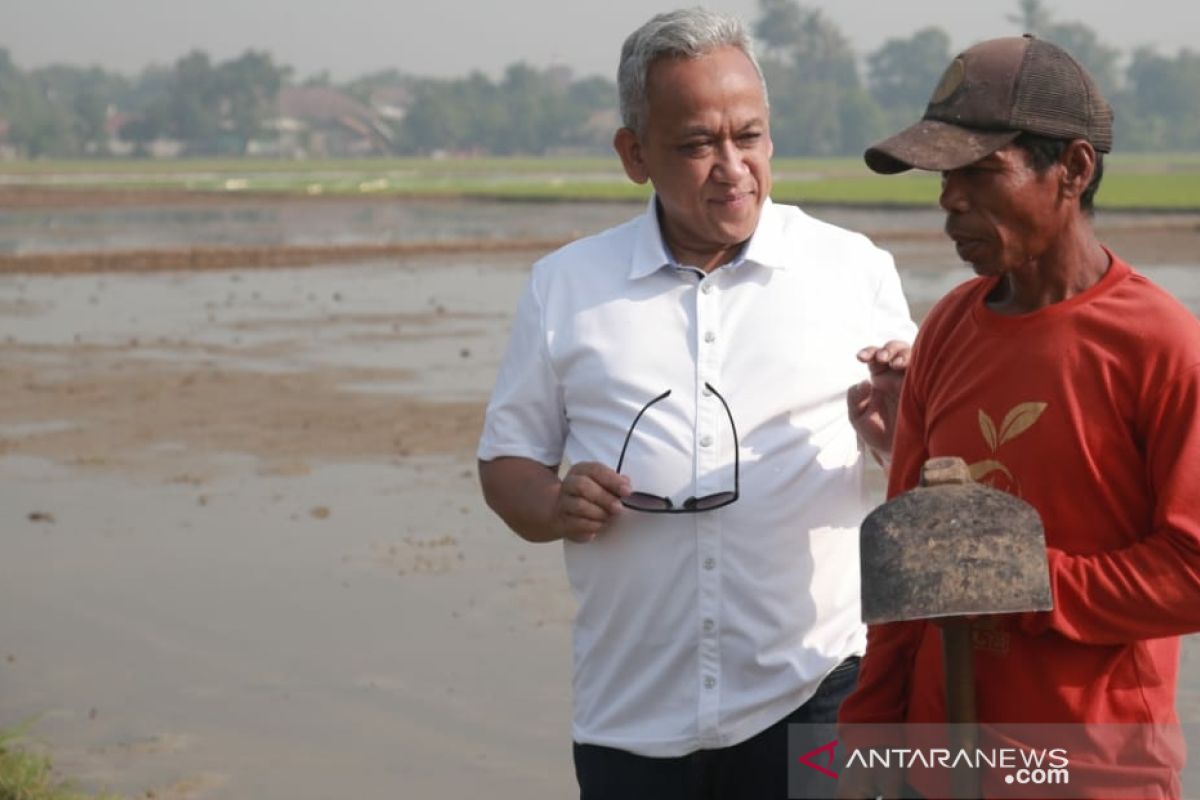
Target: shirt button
(710, 337)
(709, 625)
(706, 288)
(710, 682)
(710, 563)
(707, 392)
(705, 441)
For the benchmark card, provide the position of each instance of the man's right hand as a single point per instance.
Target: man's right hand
(589, 498)
(540, 507)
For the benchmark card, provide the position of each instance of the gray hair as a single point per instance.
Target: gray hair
(685, 33)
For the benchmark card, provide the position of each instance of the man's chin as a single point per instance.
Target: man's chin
(736, 231)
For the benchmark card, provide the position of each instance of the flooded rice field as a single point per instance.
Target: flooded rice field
(242, 548)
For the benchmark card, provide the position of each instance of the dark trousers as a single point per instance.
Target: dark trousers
(756, 769)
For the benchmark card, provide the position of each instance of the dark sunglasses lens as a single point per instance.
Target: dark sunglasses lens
(710, 501)
(641, 501)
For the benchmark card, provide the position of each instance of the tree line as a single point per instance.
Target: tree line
(824, 99)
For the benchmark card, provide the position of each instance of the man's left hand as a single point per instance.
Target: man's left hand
(874, 402)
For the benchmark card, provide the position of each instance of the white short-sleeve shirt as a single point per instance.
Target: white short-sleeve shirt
(701, 630)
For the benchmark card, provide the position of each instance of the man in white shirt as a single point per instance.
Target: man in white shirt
(702, 350)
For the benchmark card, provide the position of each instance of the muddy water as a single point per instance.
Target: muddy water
(236, 624)
(1166, 247)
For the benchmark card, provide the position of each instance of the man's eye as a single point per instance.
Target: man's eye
(694, 147)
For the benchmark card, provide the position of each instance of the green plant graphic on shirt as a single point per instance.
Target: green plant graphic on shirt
(1019, 419)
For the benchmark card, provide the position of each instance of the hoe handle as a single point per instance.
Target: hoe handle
(957, 660)
(960, 703)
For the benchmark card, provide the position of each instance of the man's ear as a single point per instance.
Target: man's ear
(1079, 165)
(630, 150)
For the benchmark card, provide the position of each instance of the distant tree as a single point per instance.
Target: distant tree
(215, 108)
(151, 86)
(535, 105)
(1099, 59)
(36, 125)
(530, 110)
(804, 116)
(902, 73)
(147, 106)
(1076, 38)
(145, 127)
(193, 103)
(818, 106)
(593, 94)
(819, 119)
(86, 95)
(437, 119)
(41, 129)
(1162, 106)
(1031, 17)
(593, 109)
(780, 26)
(248, 87)
(822, 53)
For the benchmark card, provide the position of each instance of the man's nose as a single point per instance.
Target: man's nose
(952, 198)
(731, 163)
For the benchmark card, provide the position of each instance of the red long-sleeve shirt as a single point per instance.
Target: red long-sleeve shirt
(1088, 409)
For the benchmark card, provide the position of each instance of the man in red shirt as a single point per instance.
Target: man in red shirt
(1064, 377)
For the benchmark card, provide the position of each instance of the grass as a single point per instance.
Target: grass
(28, 776)
(1132, 181)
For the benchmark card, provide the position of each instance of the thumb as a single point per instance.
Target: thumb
(858, 394)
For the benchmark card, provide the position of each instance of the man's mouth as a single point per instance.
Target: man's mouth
(734, 199)
(964, 242)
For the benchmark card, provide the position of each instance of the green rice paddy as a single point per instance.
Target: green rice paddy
(1135, 181)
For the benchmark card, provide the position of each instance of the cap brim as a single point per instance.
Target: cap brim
(934, 145)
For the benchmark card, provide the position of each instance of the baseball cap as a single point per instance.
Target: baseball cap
(991, 94)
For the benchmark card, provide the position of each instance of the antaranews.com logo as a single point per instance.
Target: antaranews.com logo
(1015, 765)
(1018, 761)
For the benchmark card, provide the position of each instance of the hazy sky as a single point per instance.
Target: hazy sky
(449, 38)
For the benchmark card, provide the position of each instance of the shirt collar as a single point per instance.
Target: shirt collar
(765, 248)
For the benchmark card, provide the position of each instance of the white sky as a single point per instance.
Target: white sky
(447, 38)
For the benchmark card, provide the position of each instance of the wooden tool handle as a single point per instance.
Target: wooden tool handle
(945, 471)
(960, 703)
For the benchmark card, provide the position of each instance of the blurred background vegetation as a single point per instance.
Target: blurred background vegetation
(826, 99)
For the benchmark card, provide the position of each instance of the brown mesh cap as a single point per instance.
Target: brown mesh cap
(991, 94)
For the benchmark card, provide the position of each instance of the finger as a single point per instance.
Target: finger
(900, 359)
(583, 496)
(606, 478)
(582, 531)
(858, 397)
(578, 528)
(584, 510)
(586, 501)
(896, 365)
(888, 382)
(891, 352)
(867, 354)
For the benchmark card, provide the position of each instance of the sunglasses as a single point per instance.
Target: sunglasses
(655, 504)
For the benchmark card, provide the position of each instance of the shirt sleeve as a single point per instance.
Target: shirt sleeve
(891, 316)
(525, 416)
(1152, 588)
